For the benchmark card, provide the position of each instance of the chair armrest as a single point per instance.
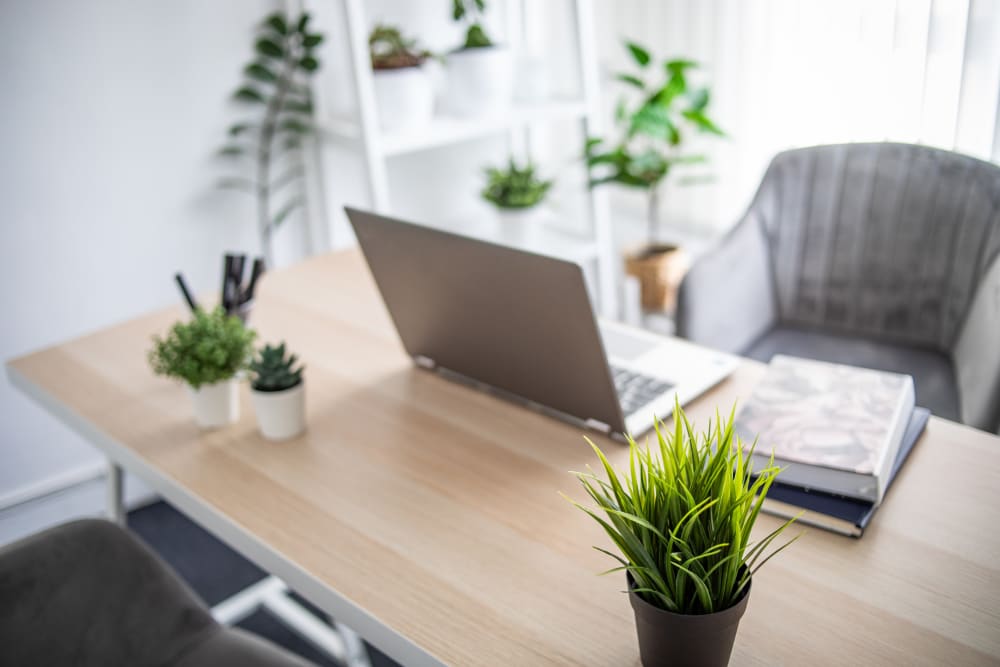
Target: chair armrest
(726, 300)
(977, 355)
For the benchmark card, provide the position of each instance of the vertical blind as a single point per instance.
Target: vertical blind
(788, 73)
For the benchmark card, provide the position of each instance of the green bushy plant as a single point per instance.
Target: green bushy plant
(514, 186)
(390, 50)
(274, 370)
(471, 12)
(209, 348)
(681, 516)
(268, 144)
(654, 129)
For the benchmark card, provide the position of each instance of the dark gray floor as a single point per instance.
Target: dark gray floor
(216, 572)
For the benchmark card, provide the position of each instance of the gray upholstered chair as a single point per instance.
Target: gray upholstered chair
(878, 255)
(89, 593)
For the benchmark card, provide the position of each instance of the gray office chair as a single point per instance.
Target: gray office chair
(89, 593)
(878, 255)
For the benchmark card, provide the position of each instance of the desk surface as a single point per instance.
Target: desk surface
(427, 516)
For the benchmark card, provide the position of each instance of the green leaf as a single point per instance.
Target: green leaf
(260, 72)
(270, 48)
(699, 99)
(679, 65)
(249, 94)
(237, 129)
(298, 106)
(309, 64)
(277, 23)
(631, 80)
(294, 125)
(232, 150)
(702, 122)
(286, 210)
(303, 22)
(312, 41)
(639, 54)
(242, 184)
(457, 10)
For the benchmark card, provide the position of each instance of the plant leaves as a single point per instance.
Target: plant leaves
(286, 210)
(303, 22)
(277, 23)
(639, 54)
(702, 122)
(312, 41)
(631, 80)
(249, 94)
(260, 72)
(699, 99)
(270, 48)
(232, 150)
(309, 64)
(679, 65)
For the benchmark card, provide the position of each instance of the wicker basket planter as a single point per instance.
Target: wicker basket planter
(660, 269)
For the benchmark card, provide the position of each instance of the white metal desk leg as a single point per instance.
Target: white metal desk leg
(116, 493)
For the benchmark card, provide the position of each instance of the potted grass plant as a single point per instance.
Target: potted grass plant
(278, 393)
(480, 73)
(656, 120)
(516, 192)
(207, 354)
(403, 88)
(681, 518)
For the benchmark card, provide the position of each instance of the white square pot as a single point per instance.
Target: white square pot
(280, 414)
(480, 81)
(404, 96)
(216, 404)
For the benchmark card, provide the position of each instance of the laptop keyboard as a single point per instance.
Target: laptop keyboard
(636, 390)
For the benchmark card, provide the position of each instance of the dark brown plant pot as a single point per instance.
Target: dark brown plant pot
(685, 640)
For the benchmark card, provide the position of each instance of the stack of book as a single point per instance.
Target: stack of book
(840, 434)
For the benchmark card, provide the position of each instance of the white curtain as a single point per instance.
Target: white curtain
(787, 73)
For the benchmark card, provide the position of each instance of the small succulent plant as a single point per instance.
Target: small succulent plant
(273, 370)
(514, 186)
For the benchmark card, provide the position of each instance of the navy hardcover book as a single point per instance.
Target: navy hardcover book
(840, 514)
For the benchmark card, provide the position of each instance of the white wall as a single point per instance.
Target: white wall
(112, 111)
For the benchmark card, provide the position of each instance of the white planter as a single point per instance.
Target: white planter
(405, 97)
(216, 404)
(280, 414)
(520, 226)
(480, 81)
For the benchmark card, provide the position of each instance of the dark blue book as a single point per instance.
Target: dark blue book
(848, 516)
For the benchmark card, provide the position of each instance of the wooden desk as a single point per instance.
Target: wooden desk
(426, 515)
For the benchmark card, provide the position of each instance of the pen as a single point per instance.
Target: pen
(192, 304)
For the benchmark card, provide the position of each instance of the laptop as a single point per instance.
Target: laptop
(521, 325)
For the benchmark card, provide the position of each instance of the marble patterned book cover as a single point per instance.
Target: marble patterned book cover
(822, 414)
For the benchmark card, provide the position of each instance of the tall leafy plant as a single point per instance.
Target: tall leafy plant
(471, 13)
(268, 141)
(654, 128)
(681, 516)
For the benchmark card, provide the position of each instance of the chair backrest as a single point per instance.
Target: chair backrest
(887, 240)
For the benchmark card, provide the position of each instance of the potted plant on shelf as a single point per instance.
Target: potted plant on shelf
(681, 517)
(278, 393)
(655, 133)
(269, 143)
(480, 73)
(516, 192)
(403, 89)
(206, 353)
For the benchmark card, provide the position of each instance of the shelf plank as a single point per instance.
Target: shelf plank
(444, 130)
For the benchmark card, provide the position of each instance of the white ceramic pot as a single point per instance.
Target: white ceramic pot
(216, 404)
(480, 81)
(520, 226)
(405, 97)
(280, 414)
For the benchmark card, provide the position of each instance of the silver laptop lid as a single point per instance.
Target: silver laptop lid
(511, 319)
